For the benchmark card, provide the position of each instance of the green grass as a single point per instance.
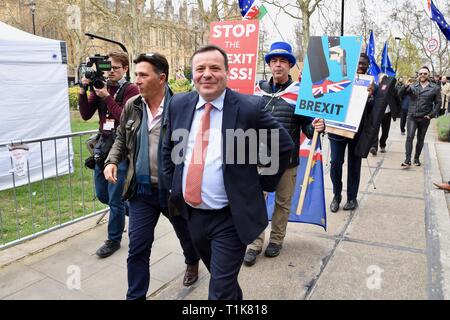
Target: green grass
(47, 203)
(443, 127)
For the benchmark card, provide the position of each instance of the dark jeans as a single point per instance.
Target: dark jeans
(111, 194)
(413, 124)
(216, 240)
(143, 217)
(385, 127)
(403, 116)
(338, 145)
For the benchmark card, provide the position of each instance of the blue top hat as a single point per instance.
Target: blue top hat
(281, 49)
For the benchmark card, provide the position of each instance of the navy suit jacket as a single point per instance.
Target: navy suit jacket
(243, 185)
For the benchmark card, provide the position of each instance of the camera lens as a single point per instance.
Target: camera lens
(98, 84)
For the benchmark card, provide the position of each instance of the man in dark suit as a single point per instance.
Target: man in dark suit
(213, 173)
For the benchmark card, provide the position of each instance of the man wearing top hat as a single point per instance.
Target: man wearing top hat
(278, 94)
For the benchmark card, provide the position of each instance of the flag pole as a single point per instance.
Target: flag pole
(307, 173)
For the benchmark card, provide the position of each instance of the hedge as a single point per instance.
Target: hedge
(73, 98)
(443, 127)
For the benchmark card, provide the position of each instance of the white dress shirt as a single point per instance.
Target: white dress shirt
(152, 121)
(214, 196)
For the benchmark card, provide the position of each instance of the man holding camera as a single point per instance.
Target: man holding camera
(108, 100)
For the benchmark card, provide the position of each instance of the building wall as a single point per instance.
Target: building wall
(174, 34)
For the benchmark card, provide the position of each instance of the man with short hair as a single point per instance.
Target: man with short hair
(213, 186)
(139, 138)
(108, 102)
(338, 144)
(276, 94)
(425, 101)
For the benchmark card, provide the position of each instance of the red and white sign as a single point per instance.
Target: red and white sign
(239, 39)
(432, 45)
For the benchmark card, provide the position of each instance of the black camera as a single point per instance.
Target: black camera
(96, 75)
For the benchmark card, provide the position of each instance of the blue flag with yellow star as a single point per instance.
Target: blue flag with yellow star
(314, 208)
(438, 17)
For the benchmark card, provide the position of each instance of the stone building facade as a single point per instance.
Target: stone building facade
(159, 27)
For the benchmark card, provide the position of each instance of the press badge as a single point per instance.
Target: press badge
(108, 125)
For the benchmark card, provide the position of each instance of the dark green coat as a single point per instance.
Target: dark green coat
(125, 144)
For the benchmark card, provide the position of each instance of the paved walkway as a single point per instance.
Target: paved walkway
(392, 247)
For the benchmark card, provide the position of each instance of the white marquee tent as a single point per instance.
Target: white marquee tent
(33, 103)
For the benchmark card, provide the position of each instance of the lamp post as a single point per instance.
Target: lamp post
(398, 39)
(33, 9)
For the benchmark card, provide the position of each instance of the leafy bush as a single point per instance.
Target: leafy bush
(73, 98)
(180, 85)
(443, 126)
(188, 72)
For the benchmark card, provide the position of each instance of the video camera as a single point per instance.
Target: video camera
(96, 75)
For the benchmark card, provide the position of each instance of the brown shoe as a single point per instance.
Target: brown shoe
(191, 275)
(443, 186)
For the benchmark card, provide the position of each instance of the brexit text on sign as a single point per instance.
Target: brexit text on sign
(329, 78)
(240, 41)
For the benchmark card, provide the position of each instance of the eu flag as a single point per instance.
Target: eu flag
(438, 17)
(314, 209)
(374, 69)
(386, 66)
(245, 5)
(252, 9)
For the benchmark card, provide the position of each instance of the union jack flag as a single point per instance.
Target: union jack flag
(290, 94)
(327, 86)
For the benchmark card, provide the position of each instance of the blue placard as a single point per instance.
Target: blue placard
(327, 78)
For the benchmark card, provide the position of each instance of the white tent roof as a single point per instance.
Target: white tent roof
(34, 100)
(15, 46)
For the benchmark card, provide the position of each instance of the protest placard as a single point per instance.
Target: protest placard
(330, 87)
(239, 39)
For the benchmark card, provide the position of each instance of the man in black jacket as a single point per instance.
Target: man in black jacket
(338, 144)
(276, 93)
(425, 101)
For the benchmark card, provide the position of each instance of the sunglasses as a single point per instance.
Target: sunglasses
(423, 74)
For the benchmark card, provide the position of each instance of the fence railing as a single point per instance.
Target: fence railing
(53, 192)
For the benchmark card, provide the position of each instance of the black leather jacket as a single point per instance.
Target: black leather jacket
(423, 101)
(284, 113)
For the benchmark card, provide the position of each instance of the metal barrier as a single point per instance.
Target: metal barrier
(56, 200)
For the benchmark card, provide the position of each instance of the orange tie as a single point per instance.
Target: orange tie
(193, 190)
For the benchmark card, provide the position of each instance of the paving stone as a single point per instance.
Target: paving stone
(17, 277)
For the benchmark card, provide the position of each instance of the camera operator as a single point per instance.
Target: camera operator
(108, 102)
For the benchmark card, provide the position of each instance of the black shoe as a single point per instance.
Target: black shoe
(417, 162)
(272, 250)
(191, 275)
(250, 257)
(373, 151)
(351, 205)
(108, 249)
(406, 163)
(383, 149)
(334, 206)
(403, 133)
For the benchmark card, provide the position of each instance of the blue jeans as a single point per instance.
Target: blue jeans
(338, 145)
(143, 217)
(111, 194)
